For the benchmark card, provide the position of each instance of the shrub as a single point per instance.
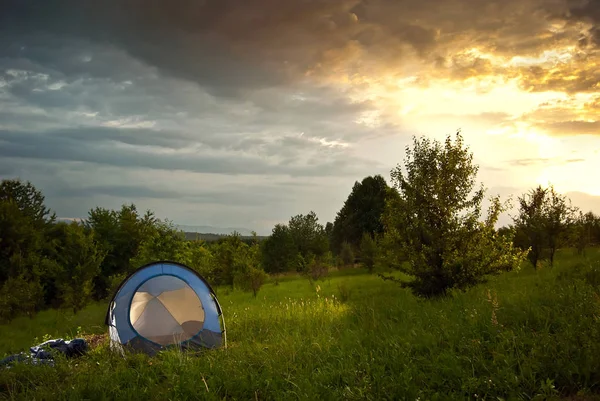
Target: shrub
(251, 280)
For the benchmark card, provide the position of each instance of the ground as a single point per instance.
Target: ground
(523, 335)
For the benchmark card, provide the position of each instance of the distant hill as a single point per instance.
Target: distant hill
(209, 237)
(206, 233)
(214, 230)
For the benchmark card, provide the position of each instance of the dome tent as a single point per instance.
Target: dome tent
(164, 304)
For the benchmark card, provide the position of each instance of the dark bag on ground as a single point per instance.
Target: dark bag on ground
(44, 353)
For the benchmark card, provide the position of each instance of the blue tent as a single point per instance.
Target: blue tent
(165, 304)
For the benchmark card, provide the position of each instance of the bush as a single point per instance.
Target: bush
(251, 280)
(20, 296)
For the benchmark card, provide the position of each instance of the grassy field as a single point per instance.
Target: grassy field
(524, 335)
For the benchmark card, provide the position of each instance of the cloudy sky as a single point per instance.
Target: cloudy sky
(245, 112)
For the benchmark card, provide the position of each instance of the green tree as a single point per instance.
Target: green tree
(560, 214)
(435, 220)
(543, 221)
(278, 250)
(24, 263)
(252, 279)
(582, 231)
(361, 213)
(308, 235)
(368, 251)
(232, 257)
(347, 254)
(120, 234)
(162, 241)
(28, 199)
(78, 257)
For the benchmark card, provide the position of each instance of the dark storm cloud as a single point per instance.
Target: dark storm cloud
(588, 11)
(235, 46)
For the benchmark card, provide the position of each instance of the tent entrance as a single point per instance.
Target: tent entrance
(166, 310)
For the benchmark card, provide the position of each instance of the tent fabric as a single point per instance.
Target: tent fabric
(164, 304)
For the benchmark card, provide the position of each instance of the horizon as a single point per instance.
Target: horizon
(245, 113)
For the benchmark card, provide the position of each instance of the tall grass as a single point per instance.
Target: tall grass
(523, 335)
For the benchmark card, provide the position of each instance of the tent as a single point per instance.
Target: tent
(165, 304)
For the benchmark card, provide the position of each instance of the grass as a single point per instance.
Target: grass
(524, 335)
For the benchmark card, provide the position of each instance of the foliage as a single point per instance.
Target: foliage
(20, 295)
(434, 220)
(347, 254)
(162, 241)
(368, 251)
(543, 221)
(308, 235)
(78, 258)
(29, 200)
(279, 250)
(585, 231)
(361, 213)
(251, 279)
(120, 234)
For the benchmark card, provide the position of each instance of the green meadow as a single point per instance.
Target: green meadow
(524, 335)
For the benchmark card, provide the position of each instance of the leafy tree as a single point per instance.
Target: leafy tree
(28, 199)
(120, 234)
(78, 257)
(232, 257)
(201, 259)
(559, 216)
(308, 235)
(24, 263)
(434, 220)
(251, 280)
(544, 218)
(20, 295)
(582, 231)
(530, 223)
(278, 251)
(361, 213)
(368, 251)
(347, 254)
(162, 241)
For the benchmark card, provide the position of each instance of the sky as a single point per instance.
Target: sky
(243, 113)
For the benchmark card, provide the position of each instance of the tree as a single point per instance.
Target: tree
(559, 216)
(347, 254)
(368, 251)
(120, 234)
(28, 199)
(308, 235)
(278, 251)
(78, 257)
(434, 220)
(162, 241)
(24, 263)
(544, 218)
(251, 280)
(361, 213)
(582, 231)
(530, 223)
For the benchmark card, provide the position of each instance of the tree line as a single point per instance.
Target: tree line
(428, 223)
